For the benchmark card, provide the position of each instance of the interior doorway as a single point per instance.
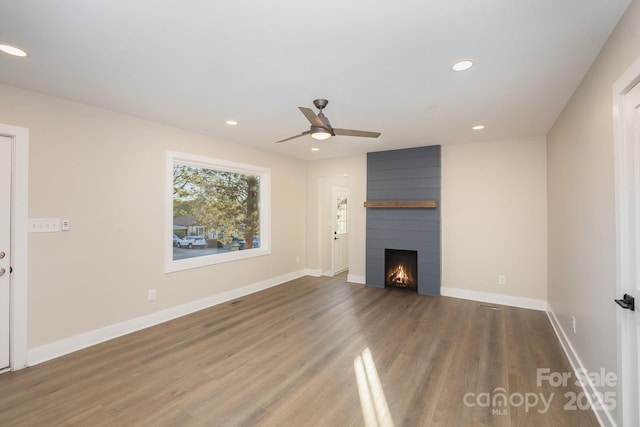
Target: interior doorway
(6, 168)
(626, 93)
(327, 223)
(340, 242)
(14, 161)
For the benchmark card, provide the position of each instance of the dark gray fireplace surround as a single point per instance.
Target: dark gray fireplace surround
(411, 174)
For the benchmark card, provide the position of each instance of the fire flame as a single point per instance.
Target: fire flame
(399, 277)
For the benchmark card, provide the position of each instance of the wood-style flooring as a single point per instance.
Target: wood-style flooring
(310, 352)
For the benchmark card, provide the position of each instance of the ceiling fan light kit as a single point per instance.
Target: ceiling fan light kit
(320, 133)
(321, 128)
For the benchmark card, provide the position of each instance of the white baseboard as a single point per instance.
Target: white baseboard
(533, 304)
(353, 278)
(69, 345)
(605, 417)
(313, 272)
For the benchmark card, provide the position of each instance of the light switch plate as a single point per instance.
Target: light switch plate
(44, 225)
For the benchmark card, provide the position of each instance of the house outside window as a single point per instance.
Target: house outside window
(225, 203)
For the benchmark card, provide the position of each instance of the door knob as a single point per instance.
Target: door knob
(2, 254)
(2, 271)
(627, 302)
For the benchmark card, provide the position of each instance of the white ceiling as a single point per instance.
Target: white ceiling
(383, 65)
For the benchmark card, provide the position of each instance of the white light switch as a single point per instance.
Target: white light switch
(44, 225)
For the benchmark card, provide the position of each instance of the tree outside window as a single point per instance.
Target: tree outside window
(222, 202)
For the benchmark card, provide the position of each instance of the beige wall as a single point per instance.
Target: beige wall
(582, 204)
(105, 173)
(494, 217)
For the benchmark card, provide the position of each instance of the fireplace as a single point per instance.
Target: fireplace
(412, 177)
(401, 269)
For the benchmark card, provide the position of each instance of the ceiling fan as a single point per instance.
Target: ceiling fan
(322, 129)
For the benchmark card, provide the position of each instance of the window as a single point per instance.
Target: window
(218, 211)
(341, 215)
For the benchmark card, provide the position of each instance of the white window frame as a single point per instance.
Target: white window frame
(264, 206)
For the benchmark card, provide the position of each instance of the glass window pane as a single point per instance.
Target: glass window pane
(341, 220)
(217, 211)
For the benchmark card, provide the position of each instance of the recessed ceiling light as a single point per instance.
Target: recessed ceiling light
(462, 65)
(478, 127)
(315, 149)
(231, 122)
(12, 50)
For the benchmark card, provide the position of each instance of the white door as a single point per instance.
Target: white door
(5, 247)
(633, 133)
(628, 256)
(340, 246)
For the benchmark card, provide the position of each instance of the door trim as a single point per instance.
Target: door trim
(20, 197)
(624, 195)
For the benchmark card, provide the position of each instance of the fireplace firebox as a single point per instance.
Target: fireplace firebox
(401, 269)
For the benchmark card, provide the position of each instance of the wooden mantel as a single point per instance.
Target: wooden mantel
(429, 204)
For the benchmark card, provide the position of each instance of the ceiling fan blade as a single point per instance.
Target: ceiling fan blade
(294, 137)
(311, 116)
(351, 132)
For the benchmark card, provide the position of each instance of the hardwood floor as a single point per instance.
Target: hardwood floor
(311, 352)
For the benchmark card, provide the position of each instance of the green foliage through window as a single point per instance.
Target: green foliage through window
(219, 211)
(224, 203)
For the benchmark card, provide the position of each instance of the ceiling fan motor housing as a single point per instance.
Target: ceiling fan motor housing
(320, 103)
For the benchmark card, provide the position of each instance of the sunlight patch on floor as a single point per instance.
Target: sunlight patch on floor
(374, 404)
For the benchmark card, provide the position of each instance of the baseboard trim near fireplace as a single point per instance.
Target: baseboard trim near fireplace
(509, 300)
(354, 278)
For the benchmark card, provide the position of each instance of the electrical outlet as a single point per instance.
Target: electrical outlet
(573, 320)
(151, 295)
(66, 225)
(502, 279)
